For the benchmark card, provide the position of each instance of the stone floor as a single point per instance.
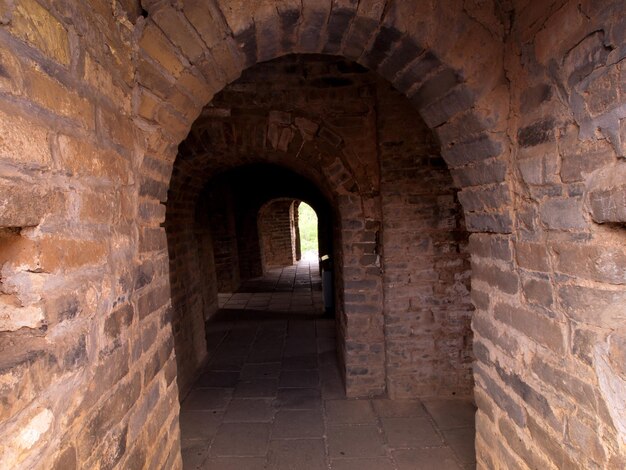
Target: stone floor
(271, 396)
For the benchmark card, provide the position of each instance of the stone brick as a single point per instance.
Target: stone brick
(435, 87)
(66, 460)
(480, 299)
(563, 214)
(490, 246)
(563, 381)
(154, 79)
(501, 398)
(103, 82)
(151, 301)
(551, 446)
(607, 199)
(37, 26)
(205, 20)
(6, 11)
(81, 157)
(577, 165)
(12, 75)
(533, 256)
(58, 98)
(98, 208)
(482, 199)
(598, 263)
(505, 280)
(64, 254)
(536, 326)
(518, 445)
(489, 222)
(458, 101)
(406, 51)
(158, 47)
(66, 76)
(180, 32)
(533, 97)
(609, 205)
(537, 133)
(593, 306)
(23, 141)
(118, 129)
(338, 25)
(538, 292)
(381, 47)
(530, 396)
(476, 149)
(480, 173)
(26, 206)
(120, 319)
(111, 412)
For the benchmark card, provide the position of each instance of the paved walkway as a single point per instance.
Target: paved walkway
(272, 396)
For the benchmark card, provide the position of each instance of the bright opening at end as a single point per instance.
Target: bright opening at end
(307, 221)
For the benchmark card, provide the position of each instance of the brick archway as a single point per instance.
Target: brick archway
(526, 99)
(193, 52)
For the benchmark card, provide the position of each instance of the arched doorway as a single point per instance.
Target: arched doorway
(334, 134)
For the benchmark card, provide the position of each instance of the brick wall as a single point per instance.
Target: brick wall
(87, 362)
(527, 103)
(278, 234)
(425, 259)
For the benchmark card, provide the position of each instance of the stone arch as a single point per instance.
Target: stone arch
(338, 207)
(105, 99)
(192, 52)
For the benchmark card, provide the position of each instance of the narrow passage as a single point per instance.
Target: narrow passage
(271, 396)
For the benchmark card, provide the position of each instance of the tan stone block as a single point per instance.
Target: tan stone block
(62, 254)
(532, 256)
(197, 87)
(81, 157)
(35, 427)
(22, 141)
(6, 11)
(102, 80)
(560, 33)
(34, 24)
(14, 316)
(99, 207)
(120, 129)
(57, 98)
(228, 58)
(179, 31)
(173, 123)
(147, 104)
(205, 20)
(184, 105)
(26, 206)
(11, 77)
(19, 251)
(598, 263)
(156, 45)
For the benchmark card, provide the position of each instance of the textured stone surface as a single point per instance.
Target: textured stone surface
(528, 104)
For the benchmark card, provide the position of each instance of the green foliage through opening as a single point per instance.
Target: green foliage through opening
(307, 220)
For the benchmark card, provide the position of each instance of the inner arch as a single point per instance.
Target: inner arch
(403, 326)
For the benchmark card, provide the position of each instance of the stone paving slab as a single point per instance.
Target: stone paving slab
(381, 463)
(351, 441)
(252, 410)
(294, 424)
(297, 454)
(265, 403)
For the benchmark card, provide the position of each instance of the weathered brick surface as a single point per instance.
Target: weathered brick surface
(425, 261)
(277, 231)
(533, 121)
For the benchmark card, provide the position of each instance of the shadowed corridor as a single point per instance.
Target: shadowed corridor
(272, 396)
